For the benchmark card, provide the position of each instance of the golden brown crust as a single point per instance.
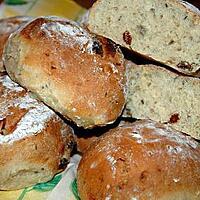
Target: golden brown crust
(144, 161)
(35, 143)
(8, 26)
(83, 143)
(76, 73)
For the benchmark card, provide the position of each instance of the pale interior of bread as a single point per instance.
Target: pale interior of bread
(24, 174)
(157, 94)
(159, 29)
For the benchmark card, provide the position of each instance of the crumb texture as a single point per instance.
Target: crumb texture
(167, 31)
(156, 93)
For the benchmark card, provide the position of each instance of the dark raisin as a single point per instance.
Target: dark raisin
(185, 17)
(97, 48)
(185, 65)
(63, 163)
(109, 47)
(166, 5)
(127, 37)
(142, 101)
(143, 175)
(174, 118)
(2, 126)
(53, 67)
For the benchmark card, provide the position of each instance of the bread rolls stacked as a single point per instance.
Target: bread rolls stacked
(76, 73)
(84, 78)
(147, 160)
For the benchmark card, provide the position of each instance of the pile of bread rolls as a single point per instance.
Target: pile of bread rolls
(135, 121)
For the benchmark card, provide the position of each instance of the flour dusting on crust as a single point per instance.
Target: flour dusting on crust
(32, 122)
(8, 84)
(68, 33)
(166, 132)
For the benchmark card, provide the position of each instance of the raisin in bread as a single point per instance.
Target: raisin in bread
(164, 30)
(156, 93)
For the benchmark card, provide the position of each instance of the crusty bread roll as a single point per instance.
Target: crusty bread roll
(35, 143)
(144, 160)
(163, 30)
(76, 73)
(156, 93)
(7, 26)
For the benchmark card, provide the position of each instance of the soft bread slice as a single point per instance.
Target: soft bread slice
(164, 30)
(156, 93)
(76, 73)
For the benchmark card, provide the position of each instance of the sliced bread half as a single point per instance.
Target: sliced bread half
(156, 93)
(164, 30)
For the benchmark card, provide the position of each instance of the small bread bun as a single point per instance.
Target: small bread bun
(144, 160)
(35, 143)
(7, 26)
(73, 71)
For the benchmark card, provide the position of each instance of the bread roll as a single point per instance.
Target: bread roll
(144, 160)
(7, 26)
(161, 95)
(166, 31)
(76, 73)
(35, 143)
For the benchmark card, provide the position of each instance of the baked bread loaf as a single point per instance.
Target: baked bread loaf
(166, 31)
(161, 95)
(144, 160)
(35, 143)
(7, 26)
(76, 73)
